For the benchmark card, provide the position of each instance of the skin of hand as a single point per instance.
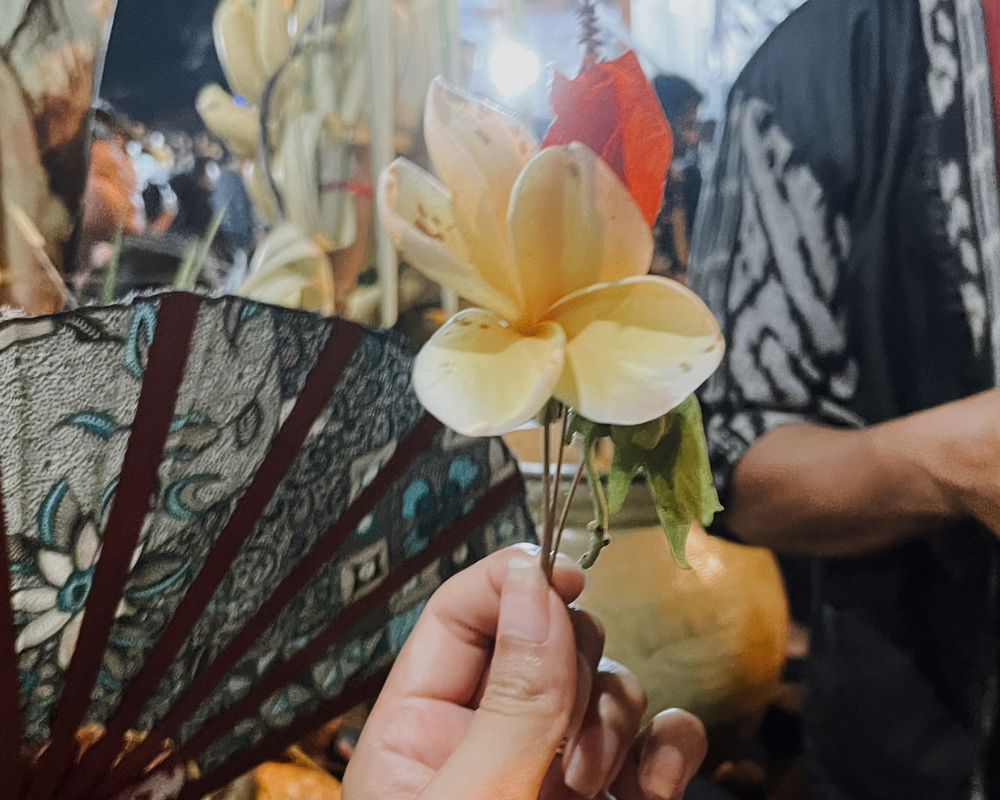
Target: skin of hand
(497, 674)
(809, 489)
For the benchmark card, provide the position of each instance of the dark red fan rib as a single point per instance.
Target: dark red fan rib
(277, 742)
(12, 766)
(168, 353)
(339, 628)
(315, 395)
(325, 548)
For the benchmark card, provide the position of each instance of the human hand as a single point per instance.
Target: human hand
(495, 676)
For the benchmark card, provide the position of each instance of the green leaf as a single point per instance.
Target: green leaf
(673, 455)
(681, 479)
(648, 434)
(628, 460)
(584, 428)
(677, 534)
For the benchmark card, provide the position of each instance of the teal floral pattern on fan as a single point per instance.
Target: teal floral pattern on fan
(67, 409)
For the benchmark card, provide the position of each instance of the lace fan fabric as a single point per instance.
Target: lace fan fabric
(375, 506)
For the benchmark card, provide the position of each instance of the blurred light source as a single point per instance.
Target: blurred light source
(513, 68)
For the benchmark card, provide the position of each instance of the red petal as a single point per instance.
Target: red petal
(612, 109)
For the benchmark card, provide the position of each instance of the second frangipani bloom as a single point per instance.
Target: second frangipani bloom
(556, 252)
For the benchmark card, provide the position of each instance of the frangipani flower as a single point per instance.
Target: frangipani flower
(556, 252)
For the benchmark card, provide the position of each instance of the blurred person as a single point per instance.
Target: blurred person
(850, 246)
(112, 201)
(672, 230)
(501, 692)
(193, 190)
(236, 231)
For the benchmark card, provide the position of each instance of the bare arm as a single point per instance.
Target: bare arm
(809, 489)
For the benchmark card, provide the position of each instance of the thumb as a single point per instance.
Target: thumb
(527, 702)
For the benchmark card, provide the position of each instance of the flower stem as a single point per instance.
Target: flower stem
(558, 475)
(569, 501)
(599, 527)
(546, 554)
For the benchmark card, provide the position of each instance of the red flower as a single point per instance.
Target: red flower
(611, 108)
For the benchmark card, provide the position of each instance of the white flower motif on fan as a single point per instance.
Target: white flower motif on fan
(59, 606)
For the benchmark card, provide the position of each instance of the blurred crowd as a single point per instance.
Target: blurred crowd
(149, 195)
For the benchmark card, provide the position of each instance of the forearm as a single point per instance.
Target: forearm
(821, 491)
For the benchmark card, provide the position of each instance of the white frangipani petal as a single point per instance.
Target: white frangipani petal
(635, 349)
(482, 378)
(478, 152)
(496, 145)
(433, 236)
(574, 224)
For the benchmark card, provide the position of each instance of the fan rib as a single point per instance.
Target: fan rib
(176, 320)
(323, 378)
(491, 503)
(11, 761)
(324, 549)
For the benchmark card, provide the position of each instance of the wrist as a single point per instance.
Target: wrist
(914, 461)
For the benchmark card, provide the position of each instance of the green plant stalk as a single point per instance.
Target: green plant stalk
(111, 277)
(197, 254)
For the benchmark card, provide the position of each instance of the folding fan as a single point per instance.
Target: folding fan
(221, 521)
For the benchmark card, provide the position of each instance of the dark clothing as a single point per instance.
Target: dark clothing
(236, 229)
(194, 205)
(680, 200)
(850, 246)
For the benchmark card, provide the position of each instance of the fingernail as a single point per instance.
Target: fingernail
(564, 562)
(589, 761)
(524, 602)
(663, 772)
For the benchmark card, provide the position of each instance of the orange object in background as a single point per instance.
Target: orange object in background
(611, 108)
(112, 200)
(292, 782)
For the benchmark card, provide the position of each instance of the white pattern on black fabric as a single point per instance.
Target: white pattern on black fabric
(954, 52)
(978, 97)
(775, 293)
(939, 39)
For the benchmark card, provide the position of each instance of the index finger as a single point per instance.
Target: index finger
(450, 647)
